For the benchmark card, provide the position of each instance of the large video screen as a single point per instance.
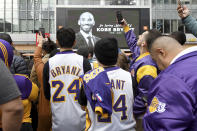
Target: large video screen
(105, 21)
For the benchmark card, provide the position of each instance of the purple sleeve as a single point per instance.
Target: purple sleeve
(171, 105)
(24, 85)
(139, 107)
(98, 92)
(132, 43)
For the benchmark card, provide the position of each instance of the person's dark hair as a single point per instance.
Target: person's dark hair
(83, 51)
(151, 37)
(123, 61)
(179, 36)
(54, 52)
(6, 37)
(66, 37)
(106, 51)
(49, 46)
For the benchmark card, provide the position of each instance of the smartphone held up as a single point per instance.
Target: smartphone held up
(42, 31)
(119, 17)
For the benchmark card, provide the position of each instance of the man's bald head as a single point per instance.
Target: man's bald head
(166, 42)
(163, 50)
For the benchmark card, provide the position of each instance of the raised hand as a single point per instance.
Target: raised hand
(183, 11)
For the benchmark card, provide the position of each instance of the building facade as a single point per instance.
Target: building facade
(166, 19)
(22, 18)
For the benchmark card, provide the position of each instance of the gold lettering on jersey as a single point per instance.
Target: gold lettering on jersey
(117, 84)
(53, 73)
(61, 70)
(77, 74)
(73, 70)
(58, 71)
(68, 70)
(91, 75)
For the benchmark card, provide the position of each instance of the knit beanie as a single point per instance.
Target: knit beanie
(106, 51)
(6, 52)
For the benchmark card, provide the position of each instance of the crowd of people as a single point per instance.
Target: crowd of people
(155, 90)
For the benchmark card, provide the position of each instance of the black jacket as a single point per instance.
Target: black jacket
(18, 66)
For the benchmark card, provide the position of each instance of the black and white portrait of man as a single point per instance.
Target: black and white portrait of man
(85, 37)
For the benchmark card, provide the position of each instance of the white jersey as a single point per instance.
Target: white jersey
(122, 116)
(64, 70)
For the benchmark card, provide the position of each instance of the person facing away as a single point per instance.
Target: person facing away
(85, 37)
(106, 93)
(43, 106)
(142, 68)
(61, 83)
(29, 90)
(172, 104)
(18, 65)
(10, 101)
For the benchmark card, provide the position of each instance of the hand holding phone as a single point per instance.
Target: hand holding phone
(183, 11)
(180, 2)
(119, 17)
(42, 31)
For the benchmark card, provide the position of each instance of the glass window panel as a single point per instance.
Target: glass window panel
(15, 13)
(51, 5)
(173, 25)
(23, 26)
(30, 15)
(8, 14)
(45, 24)
(173, 1)
(45, 15)
(60, 2)
(23, 5)
(2, 16)
(146, 2)
(85, 2)
(8, 4)
(44, 6)
(15, 4)
(22, 14)
(160, 2)
(154, 24)
(8, 20)
(30, 4)
(166, 1)
(51, 14)
(52, 26)
(45, 1)
(153, 2)
(194, 1)
(159, 25)
(15, 25)
(166, 26)
(30, 26)
(37, 15)
(7, 27)
(37, 25)
(1, 25)
(37, 5)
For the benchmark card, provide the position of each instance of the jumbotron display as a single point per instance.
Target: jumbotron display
(101, 22)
